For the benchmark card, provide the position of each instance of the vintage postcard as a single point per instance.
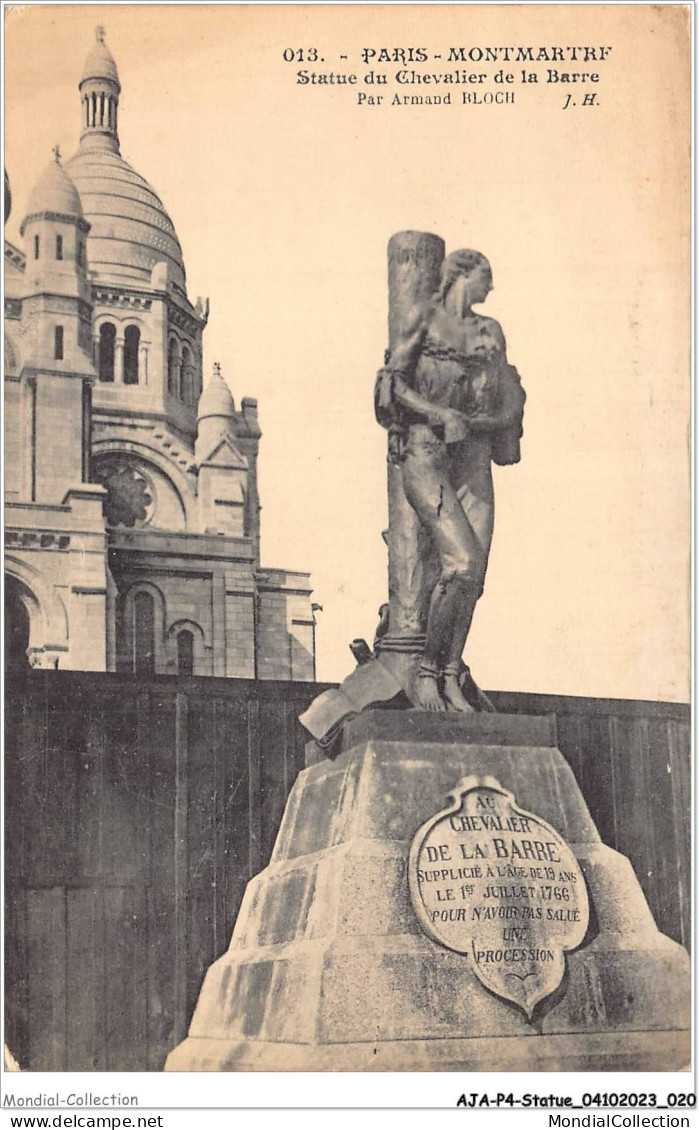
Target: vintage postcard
(347, 378)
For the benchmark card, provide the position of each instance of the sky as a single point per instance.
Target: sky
(284, 195)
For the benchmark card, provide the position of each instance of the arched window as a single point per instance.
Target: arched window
(106, 351)
(132, 340)
(139, 629)
(187, 379)
(172, 369)
(36, 247)
(196, 384)
(144, 633)
(17, 627)
(185, 652)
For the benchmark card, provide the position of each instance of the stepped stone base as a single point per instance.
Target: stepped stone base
(639, 1051)
(329, 969)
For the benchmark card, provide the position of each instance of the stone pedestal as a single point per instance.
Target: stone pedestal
(329, 969)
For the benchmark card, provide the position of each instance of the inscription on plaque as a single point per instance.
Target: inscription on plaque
(499, 884)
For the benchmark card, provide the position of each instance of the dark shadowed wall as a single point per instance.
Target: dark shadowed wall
(136, 811)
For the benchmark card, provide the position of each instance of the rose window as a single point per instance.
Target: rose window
(129, 500)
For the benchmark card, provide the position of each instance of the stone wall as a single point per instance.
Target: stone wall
(139, 808)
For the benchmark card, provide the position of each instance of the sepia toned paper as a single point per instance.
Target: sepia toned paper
(289, 142)
(284, 195)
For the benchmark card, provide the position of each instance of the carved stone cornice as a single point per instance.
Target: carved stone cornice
(36, 539)
(110, 296)
(183, 320)
(61, 217)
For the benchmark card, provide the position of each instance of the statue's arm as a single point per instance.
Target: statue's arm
(404, 359)
(406, 351)
(394, 383)
(420, 405)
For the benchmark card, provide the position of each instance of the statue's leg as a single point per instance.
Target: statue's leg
(429, 490)
(451, 609)
(453, 695)
(476, 500)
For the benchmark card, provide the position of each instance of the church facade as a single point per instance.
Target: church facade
(132, 506)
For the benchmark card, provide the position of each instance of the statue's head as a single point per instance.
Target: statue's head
(471, 265)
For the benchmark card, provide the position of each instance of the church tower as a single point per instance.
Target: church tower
(56, 334)
(58, 586)
(226, 454)
(151, 483)
(147, 336)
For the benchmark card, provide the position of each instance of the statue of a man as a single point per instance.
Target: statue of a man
(452, 405)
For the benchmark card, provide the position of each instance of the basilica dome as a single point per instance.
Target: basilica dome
(130, 230)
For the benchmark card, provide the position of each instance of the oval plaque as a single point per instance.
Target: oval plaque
(492, 881)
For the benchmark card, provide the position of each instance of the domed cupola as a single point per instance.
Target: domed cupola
(54, 193)
(216, 399)
(130, 230)
(99, 90)
(100, 61)
(215, 414)
(57, 299)
(55, 233)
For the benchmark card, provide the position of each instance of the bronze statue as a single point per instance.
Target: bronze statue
(452, 405)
